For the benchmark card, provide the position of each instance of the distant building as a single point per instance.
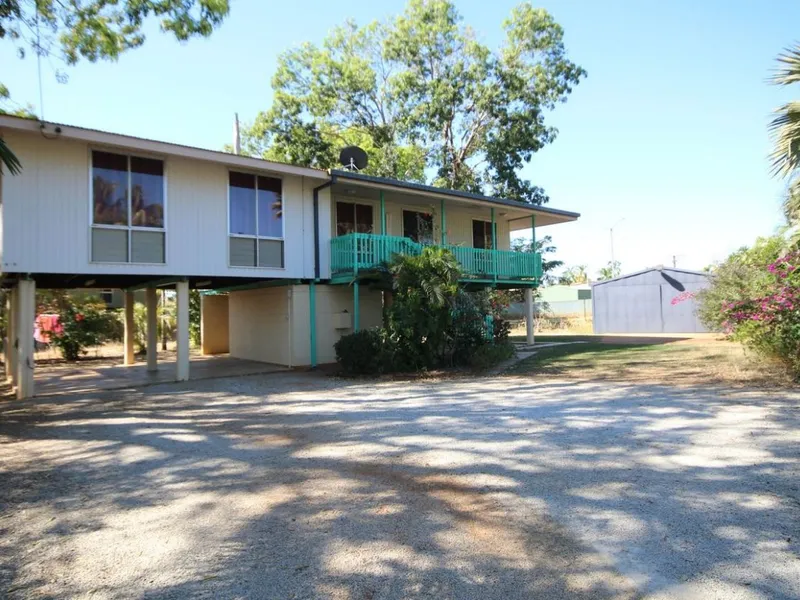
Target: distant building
(566, 300)
(656, 300)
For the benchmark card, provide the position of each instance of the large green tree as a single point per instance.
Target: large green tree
(96, 29)
(424, 97)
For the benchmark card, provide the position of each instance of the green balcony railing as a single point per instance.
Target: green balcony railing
(357, 252)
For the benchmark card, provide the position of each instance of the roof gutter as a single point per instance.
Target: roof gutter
(317, 189)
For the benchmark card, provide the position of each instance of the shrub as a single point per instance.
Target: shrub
(364, 352)
(421, 316)
(491, 355)
(754, 297)
(82, 327)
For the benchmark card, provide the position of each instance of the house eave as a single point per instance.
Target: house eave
(55, 131)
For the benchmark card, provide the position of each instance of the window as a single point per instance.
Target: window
(127, 208)
(482, 234)
(353, 218)
(418, 226)
(256, 220)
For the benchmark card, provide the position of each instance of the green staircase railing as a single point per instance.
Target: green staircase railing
(356, 252)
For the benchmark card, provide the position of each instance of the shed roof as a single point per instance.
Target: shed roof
(649, 270)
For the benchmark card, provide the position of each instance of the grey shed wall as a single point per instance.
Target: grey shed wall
(643, 303)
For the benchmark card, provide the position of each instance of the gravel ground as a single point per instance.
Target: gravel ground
(302, 486)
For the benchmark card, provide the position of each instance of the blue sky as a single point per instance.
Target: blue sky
(668, 131)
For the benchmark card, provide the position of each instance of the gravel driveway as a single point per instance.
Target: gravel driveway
(301, 486)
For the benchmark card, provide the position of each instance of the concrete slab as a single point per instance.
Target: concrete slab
(109, 374)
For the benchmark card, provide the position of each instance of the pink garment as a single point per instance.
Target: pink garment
(44, 326)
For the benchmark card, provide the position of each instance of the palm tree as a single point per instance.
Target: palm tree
(785, 129)
(574, 275)
(610, 271)
(9, 159)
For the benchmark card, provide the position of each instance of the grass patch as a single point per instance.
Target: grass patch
(688, 362)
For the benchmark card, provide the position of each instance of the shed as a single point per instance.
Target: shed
(656, 300)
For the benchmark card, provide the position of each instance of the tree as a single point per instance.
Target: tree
(574, 275)
(785, 129)
(610, 271)
(543, 246)
(97, 29)
(423, 94)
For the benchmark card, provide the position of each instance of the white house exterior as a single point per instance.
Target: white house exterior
(286, 253)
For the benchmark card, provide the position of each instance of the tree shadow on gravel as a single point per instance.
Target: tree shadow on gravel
(295, 486)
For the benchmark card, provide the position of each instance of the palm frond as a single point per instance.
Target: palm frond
(785, 130)
(789, 70)
(9, 159)
(791, 202)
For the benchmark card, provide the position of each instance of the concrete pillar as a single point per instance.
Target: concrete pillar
(26, 314)
(529, 314)
(182, 363)
(11, 326)
(152, 329)
(130, 327)
(214, 325)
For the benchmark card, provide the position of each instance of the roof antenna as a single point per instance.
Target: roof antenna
(39, 64)
(353, 158)
(237, 138)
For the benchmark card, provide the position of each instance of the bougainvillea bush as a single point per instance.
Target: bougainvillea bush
(81, 327)
(755, 299)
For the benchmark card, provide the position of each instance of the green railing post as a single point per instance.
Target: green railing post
(494, 247)
(383, 214)
(444, 224)
(356, 314)
(355, 253)
(533, 244)
(312, 309)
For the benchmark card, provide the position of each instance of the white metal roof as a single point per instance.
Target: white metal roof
(106, 138)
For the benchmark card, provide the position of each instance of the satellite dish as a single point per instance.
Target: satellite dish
(353, 158)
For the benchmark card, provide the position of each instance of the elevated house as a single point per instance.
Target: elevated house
(286, 255)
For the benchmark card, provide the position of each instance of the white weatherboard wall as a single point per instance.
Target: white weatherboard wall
(47, 209)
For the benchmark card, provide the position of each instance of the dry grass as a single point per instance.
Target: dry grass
(685, 362)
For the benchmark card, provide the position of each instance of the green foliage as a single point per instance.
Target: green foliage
(421, 316)
(365, 352)
(544, 246)
(167, 322)
(490, 355)
(83, 326)
(431, 323)
(574, 275)
(194, 317)
(94, 30)
(785, 126)
(610, 271)
(740, 277)
(419, 91)
(102, 29)
(755, 298)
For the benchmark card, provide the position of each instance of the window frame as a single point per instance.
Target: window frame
(489, 223)
(422, 211)
(354, 202)
(255, 237)
(129, 228)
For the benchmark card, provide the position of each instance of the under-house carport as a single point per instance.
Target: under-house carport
(27, 379)
(656, 300)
